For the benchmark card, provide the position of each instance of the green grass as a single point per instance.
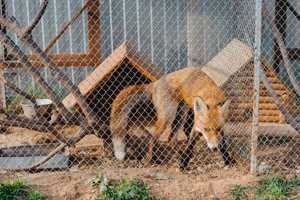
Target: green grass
(18, 188)
(270, 187)
(15, 100)
(239, 192)
(124, 189)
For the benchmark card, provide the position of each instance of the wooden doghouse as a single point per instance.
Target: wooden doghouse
(125, 66)
(233, 70)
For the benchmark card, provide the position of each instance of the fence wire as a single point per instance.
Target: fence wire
(169, 84)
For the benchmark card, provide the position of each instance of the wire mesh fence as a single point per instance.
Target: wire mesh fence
(153, 84)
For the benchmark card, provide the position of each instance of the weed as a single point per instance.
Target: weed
(270, 187)
(278, 187)
(239, 192)
(124, 189)
(18, 189)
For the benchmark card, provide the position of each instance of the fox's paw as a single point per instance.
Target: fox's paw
(230, 161)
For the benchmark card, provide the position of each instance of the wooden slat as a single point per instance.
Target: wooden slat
(264, 129)
(271, 73)
(274, 86)
(270, 99)
(268, 106)
(269, 119)
(269, 112)
(278, 92)
(93, 16)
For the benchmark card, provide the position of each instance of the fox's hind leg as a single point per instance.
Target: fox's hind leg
(177, 124)
(166, 111)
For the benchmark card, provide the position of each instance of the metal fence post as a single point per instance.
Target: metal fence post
(257, 63)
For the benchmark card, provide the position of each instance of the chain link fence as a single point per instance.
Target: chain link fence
(164, 85)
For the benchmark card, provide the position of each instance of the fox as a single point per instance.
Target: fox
(173, 97)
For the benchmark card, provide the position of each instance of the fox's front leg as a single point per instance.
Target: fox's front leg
(188, 153)
(223, 149)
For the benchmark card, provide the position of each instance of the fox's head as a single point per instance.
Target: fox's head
(209, 120)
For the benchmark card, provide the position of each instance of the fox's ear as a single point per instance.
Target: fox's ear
(199, 106)
(224, 107)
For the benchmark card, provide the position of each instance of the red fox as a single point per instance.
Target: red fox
(171, 97)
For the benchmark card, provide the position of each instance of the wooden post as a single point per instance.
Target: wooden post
(280, 22)
(3, 54)
(93, 16)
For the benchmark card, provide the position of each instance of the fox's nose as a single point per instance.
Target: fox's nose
(214, 148)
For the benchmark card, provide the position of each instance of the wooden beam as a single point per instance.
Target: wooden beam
(93, 16)
(65, 28)
(58, 63)
(280, 22)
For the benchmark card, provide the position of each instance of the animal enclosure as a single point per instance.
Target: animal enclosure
(86, 52)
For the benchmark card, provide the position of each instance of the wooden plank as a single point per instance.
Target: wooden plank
(275, 86)
(268, 106)
(269, 119)
(269, 112)
(140, 61)
(271, 73)
(264, 129)
(227, 62)
(93, 17)
(278, 92)
(270, 99)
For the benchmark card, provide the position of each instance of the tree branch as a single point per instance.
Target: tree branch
(53, 70)
(277, 35)
(66, 114)
(23, 125)
(37, 18)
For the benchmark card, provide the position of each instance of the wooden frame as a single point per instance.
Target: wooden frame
(92, 58)
(123, 54)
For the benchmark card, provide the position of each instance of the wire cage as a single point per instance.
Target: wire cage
(158, 85)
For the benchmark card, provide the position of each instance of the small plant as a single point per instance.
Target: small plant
(120, 190)
(239, 192)
(18, 189)
(270, 187)
(278, 187)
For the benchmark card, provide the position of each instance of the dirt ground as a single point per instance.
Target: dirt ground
(207, 176)
(73, 184)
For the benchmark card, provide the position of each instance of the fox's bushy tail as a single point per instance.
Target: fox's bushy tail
(121, 112)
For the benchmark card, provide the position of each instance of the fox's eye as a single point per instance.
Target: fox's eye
(207, 129)
(218, 129)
